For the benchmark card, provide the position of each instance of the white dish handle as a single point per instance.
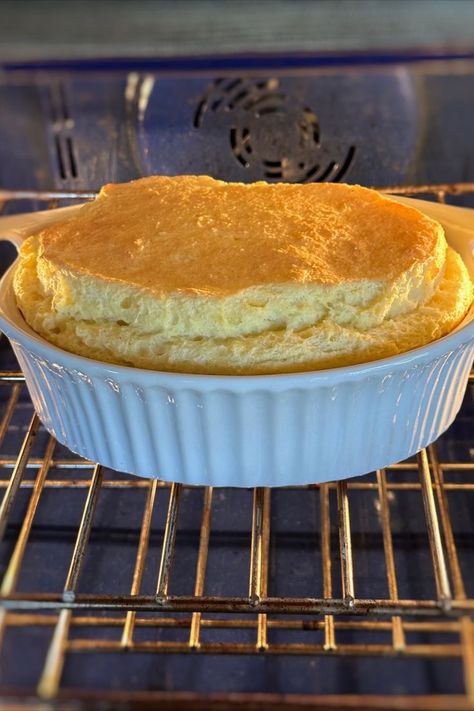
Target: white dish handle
(16, 228)
(458, 223)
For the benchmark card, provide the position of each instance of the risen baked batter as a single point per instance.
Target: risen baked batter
(197, 275)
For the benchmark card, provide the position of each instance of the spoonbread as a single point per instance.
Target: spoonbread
(192, 274)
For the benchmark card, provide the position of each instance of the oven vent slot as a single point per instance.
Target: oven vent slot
(63, 153)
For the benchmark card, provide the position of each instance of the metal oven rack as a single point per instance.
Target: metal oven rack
(59, 609)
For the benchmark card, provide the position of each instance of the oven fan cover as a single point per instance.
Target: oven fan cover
(328, 127)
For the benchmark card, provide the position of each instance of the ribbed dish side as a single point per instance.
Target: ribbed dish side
(233, 436)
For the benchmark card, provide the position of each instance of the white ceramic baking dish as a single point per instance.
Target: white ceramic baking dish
(267, 430)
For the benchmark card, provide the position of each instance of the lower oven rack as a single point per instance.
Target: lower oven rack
(80, 617)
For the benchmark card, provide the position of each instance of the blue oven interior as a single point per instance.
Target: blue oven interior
(65, 132)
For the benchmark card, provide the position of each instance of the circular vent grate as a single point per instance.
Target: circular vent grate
(271, 131)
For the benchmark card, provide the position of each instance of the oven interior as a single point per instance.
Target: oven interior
(119, 590)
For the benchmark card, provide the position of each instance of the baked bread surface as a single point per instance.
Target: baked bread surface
(196, 275)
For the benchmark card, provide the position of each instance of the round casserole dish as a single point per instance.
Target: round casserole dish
(262, 430)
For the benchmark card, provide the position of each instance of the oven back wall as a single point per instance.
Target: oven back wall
(374, 126)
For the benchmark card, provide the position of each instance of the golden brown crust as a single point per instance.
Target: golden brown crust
(190, 274)
(196, 234)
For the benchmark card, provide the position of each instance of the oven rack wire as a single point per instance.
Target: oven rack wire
(69, 611)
